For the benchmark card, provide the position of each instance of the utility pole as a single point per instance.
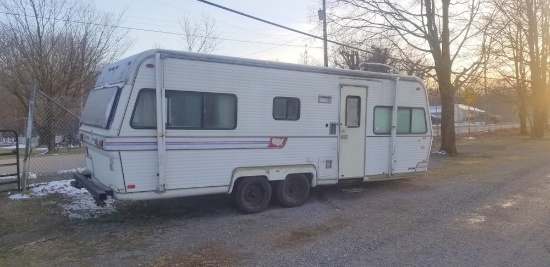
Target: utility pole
(323, 16)
(305, 54)
(487, 116)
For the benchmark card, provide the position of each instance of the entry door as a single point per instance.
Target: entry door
(351, 159)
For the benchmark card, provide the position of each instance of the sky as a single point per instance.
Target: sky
(242, 37)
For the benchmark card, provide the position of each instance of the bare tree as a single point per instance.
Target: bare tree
(57, 45)
(538, 40)
(525, 27)
(200, 35)
(427, 26)
(350, 59)
(510, 51)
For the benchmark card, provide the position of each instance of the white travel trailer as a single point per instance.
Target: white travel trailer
(164, 124)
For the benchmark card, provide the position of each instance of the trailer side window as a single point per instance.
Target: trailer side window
(403, 120)
(145, 111)
(197, 110)
(286, 108)
(409, 120)
(184, 110)
(382, 120)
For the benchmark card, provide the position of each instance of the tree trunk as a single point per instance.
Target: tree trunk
(48, 127)
(443, 68)
(522, 114)
(448, 136)
(538, 105)
(50, 135)
(536, 63)
(545, 113)
(538, 129)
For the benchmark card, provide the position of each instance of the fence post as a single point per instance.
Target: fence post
(28, 136)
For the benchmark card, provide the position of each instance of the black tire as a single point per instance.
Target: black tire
(252, 194)
(293, 191)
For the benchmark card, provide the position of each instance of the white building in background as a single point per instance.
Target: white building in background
(461, 112)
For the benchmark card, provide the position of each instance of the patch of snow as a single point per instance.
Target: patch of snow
(8, 177)
(43, 152)
(71, 170)
(18, 196)
(13, 177)
(475, 219)
(470, 138)
(82, 205)
(22, 145)
(507, 204)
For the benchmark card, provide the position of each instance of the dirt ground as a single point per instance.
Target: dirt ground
(487, 206)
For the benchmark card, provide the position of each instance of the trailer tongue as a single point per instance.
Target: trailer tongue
(99, 192)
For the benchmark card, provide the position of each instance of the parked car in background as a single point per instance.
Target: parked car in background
(494, 118)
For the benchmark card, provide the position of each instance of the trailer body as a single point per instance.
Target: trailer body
(164, 124)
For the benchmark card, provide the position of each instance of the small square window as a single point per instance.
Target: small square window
(286, 108)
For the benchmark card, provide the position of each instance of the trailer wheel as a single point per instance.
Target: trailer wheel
(253, 194)
(293, 191)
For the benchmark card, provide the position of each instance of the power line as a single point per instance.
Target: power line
(176, 7)
(176, 24)
(155, 31)
(266, 15)
(271, 48)
(281, 26)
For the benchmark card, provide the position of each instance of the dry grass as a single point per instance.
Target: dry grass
(204, 256)
(303, 235)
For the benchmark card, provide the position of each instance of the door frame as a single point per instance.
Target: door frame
(351, 145)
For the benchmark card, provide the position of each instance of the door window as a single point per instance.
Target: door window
(353, 111)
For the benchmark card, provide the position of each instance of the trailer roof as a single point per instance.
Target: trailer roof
(118, 71)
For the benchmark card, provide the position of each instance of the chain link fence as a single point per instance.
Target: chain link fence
(55, 151)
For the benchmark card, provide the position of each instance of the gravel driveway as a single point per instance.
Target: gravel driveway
(488, 206)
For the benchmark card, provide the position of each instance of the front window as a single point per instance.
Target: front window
(100, 107)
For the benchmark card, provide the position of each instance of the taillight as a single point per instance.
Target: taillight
(99, 143)
(81, 136)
